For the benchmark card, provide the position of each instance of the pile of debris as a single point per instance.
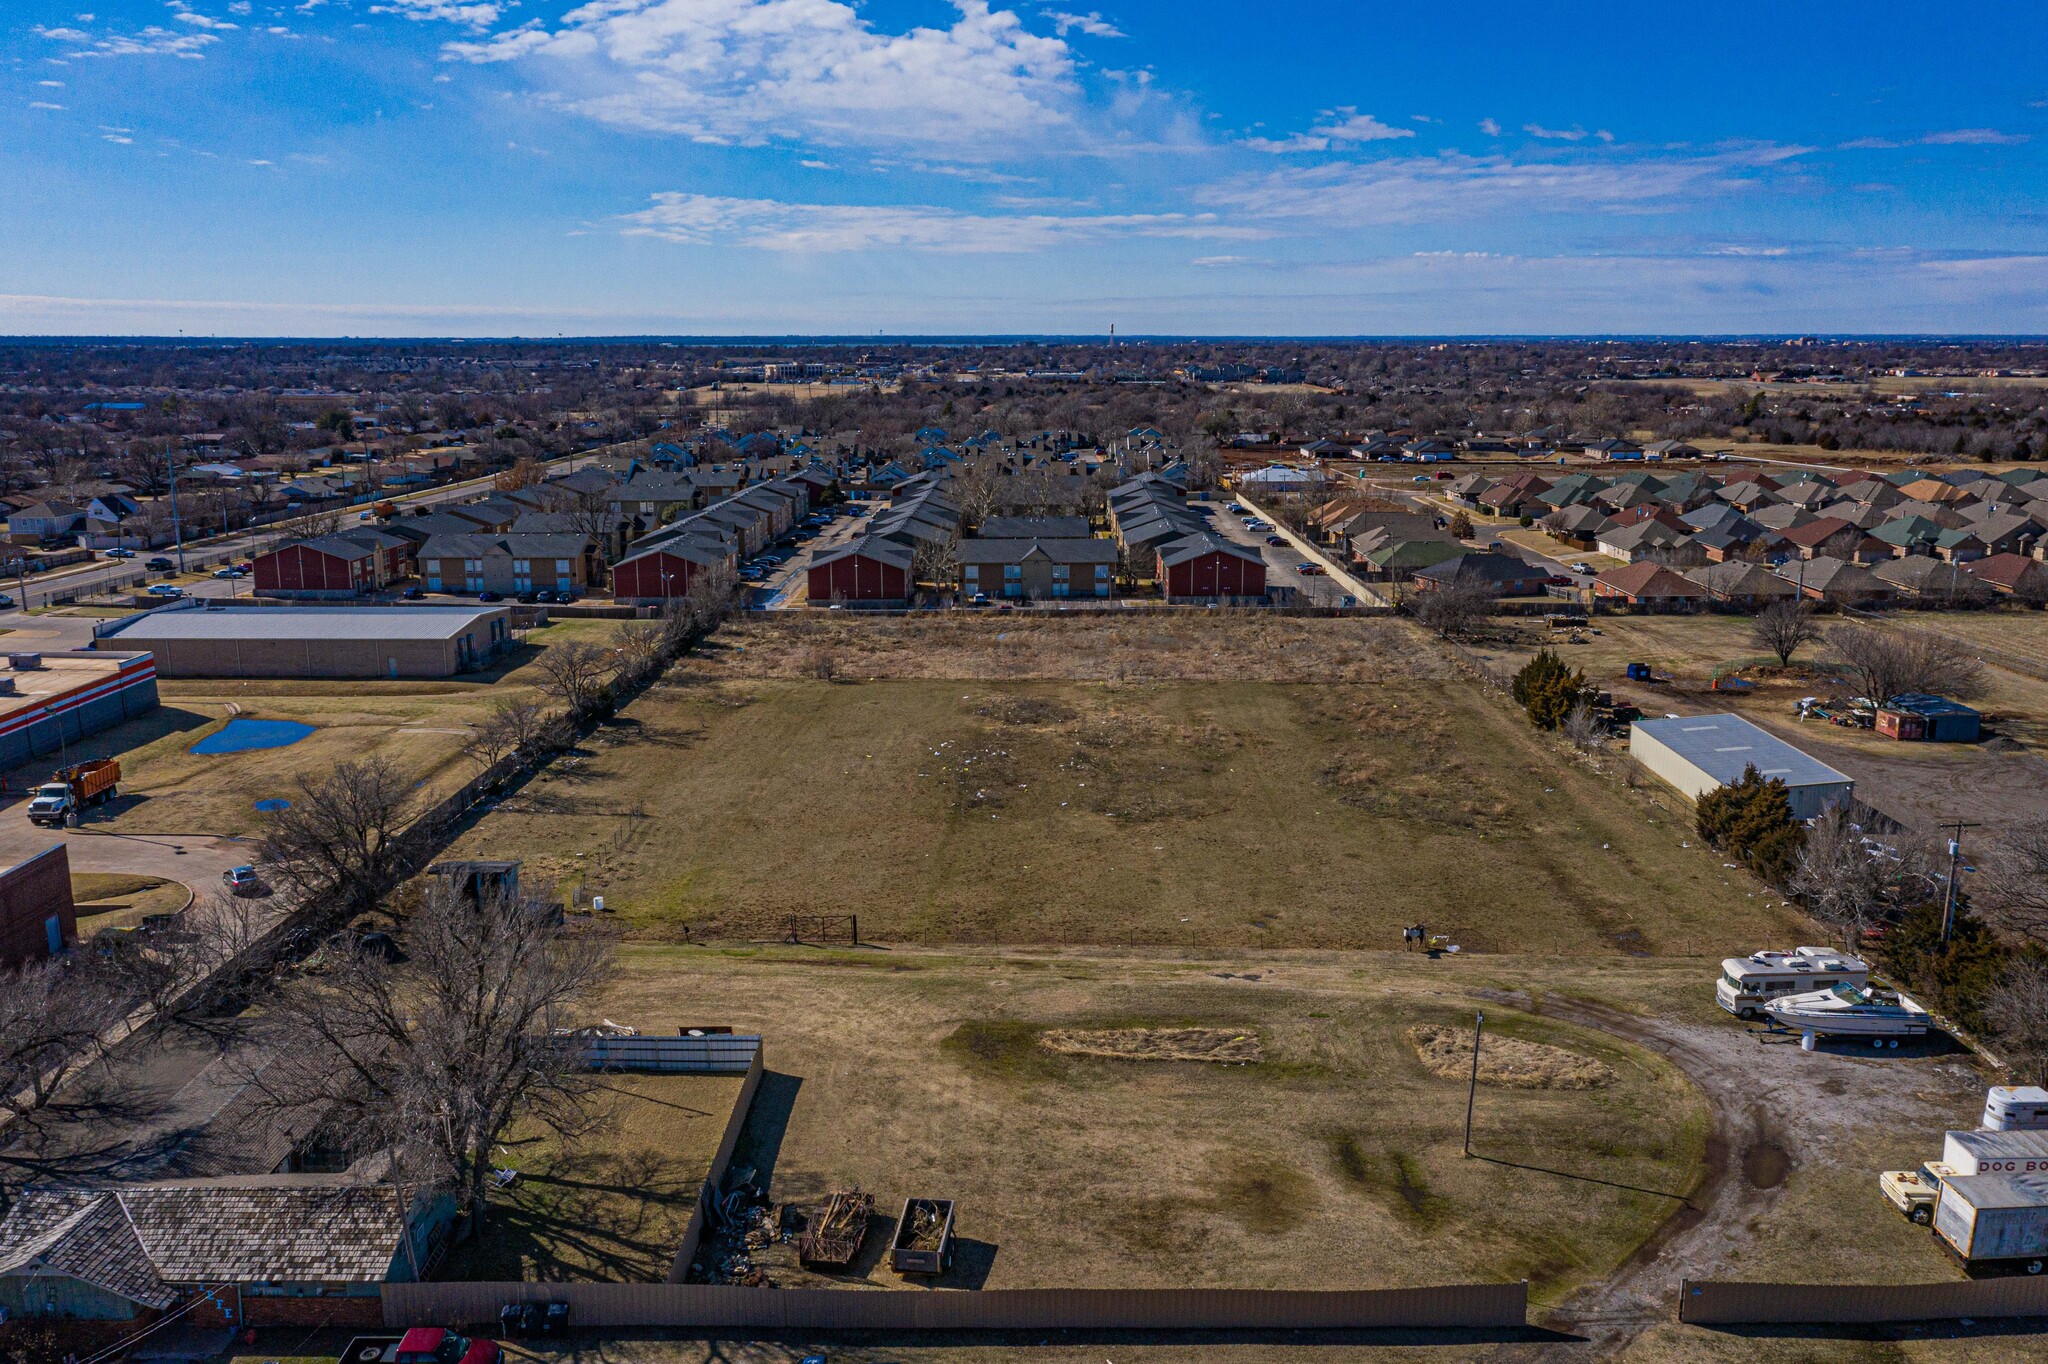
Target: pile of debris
(739, 1226)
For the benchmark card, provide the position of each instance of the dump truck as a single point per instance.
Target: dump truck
(72, 789)
(923, 1243)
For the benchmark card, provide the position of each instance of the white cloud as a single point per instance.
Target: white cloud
(753, 71)
(51, 85)
(117, 139)
(476, 14)
(1572, 134)
(1489, 126)
(153, 41)
(1453, 186)
(772, 225)
(1225, 262)
(1343, 127)
(1091, 23)
(1955, 137)
(185, 14)
(240, 7)
(43, 104)
(817, 165)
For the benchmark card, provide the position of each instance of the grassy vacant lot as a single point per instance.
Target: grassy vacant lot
(1224, 813)
(121, 900)
(610, 1204)
(1333, 1162)
(418, 725)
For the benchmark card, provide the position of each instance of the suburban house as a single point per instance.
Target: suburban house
(1836, 580)
(1204, 565)
(1503, 575)
(1651, 585)
(1037, 569)
(870, 569)
(2011, 574)
(512, 563)
(252, 1250)
(1750, 587)
(39, 521)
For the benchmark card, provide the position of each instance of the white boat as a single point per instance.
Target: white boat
(1849, 1011)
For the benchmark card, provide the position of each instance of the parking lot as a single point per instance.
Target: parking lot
(1283, 561)
(782, 571)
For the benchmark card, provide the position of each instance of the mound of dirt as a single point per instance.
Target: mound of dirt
(1228, 1045)
(1447, 1053)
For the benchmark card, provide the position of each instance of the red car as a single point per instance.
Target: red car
(433, 1345)
(1558, 580)
(1308, 570)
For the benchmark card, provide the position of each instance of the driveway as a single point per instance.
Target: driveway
(1283, 561)
(197, 860)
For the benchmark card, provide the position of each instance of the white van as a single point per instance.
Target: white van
(1749, 983)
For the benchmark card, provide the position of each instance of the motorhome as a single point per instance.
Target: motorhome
(2016, 1108)
(1749, 983)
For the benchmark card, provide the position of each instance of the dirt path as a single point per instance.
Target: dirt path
(1775, 1109)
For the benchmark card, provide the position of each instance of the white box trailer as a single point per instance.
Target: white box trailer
(1995, 1153)
(1995, 1219)
(2016, 1108)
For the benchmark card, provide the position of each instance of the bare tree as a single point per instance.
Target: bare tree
(1453, 610)
(1887, 662)
(936, 561)
(2018, 1011)
(1582, 728)
(975, 488)
(338, 837)
(510, 728)
(436, 1056)
(578, 674)
(2015, 893)
(1838, 880)
(1782, 628)
(713, 593)
(53, 1017)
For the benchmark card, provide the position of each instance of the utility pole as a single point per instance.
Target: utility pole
(177, 531)
(1955, 868)
(1472, 1092)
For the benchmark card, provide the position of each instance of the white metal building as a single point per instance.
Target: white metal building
(1702, 753)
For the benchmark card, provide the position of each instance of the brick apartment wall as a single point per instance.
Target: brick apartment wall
(29, 894)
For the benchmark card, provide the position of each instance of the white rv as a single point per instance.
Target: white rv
(1749, 983)
(2016, 1108)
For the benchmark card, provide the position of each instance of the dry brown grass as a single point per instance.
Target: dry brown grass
(1141, 647)
(1506, 1061)
(1230, 1046)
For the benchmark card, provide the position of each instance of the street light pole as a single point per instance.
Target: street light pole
(1472, 1091)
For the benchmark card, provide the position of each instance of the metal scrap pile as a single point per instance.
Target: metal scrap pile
(835, 1237)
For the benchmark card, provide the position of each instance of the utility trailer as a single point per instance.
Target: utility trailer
(923, 1243)
(1995, 1222)
(834, 1235)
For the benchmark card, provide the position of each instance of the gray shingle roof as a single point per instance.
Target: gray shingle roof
(137, 1239)
(302, 622)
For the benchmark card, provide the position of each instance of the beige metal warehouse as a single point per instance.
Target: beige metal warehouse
(1701, 753)
(195, 640)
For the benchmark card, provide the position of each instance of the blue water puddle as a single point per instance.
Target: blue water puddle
(243, 736)
(273, 806)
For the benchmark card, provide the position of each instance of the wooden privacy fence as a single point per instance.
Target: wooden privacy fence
(1708, 1303)
(1008, 1309)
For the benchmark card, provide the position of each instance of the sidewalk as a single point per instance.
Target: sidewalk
(1357, 587)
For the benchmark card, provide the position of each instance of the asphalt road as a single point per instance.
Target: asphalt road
(780, 588)
(1283, 561)
(86, 579)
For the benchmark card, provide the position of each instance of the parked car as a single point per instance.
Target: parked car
(1308, 570)
(432, 1345)
(566, 599)
(526, 599)
(1581, 566)
(159, 564)
(546, 596)
(414, 594)
(120, 554)
(1558, 580)
(1276, 539)
(166, 590)
(978, 599)
(6, 602)
(490, 596)
(242, 881)
(229, 572)
(1236, 508)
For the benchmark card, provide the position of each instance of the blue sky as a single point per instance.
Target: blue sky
(472, 167)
